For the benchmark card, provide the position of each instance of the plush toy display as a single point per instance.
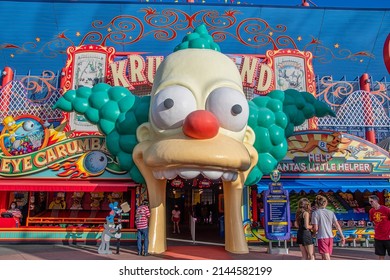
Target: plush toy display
(77, 201)
(96, 199)
(196, 120)
(58, 202)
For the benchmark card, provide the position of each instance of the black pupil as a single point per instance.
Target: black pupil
(236, 109)
(168, 103)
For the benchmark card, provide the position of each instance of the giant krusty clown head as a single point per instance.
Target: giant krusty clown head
(196, 120)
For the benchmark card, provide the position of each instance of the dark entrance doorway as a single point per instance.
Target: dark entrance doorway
(197, 198)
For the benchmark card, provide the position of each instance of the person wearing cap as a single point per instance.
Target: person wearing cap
(176, 219)
(142, 223)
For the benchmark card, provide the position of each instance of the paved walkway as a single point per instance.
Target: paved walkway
(177, 250)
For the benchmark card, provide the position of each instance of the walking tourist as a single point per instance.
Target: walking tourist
(142, 223)
(380, 216)
(304, 234)
(322, 220)
(176, 219)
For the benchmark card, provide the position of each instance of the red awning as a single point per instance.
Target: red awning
(65, 186)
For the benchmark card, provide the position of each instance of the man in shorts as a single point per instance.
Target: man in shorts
(380, 216)
(323, 220)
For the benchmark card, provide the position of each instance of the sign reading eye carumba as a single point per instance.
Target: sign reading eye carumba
(29, 146)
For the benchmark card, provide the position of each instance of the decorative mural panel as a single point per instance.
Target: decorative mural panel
(29, 148)
(315, 154)
(293, 70)
(86, 66)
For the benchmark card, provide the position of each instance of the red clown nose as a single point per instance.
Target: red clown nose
(201, 124)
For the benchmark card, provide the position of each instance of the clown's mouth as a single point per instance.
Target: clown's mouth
(190, 173)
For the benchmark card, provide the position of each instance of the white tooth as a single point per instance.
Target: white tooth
(227, 176)
(188, 174)
(213, 175)
(170, 174)
(158, 174)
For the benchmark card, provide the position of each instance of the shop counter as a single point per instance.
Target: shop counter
(7, 223)
(69, 217)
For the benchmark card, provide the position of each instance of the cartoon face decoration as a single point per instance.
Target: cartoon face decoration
(275, 175)
(197, 126)
(183, 109)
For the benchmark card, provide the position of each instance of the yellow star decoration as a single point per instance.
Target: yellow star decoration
(249, 39)
(78, 34)
(130, 37)
(271, 33)
(12, 55)
(336, 45)
(299, 38)
(109, 29)
(38, 39)
(361, 60)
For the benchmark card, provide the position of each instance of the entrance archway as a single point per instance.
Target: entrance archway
(197, 198)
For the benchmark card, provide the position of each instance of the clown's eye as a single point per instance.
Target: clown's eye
(171, 105)
(230, 107)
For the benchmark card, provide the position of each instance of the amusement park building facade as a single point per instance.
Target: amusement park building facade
(80, 44)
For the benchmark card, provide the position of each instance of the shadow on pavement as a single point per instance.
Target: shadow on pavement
(177, 250)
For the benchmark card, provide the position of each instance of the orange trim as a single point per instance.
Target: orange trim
(52, 220)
